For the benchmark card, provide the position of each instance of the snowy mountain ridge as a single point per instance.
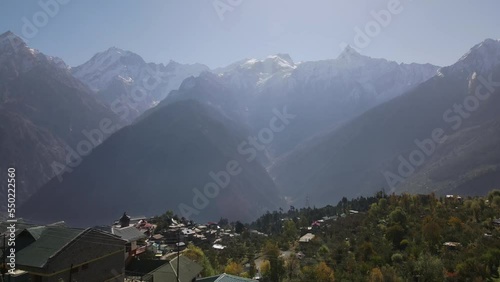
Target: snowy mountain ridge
(119, 76)
(482, 58)
(17, 57)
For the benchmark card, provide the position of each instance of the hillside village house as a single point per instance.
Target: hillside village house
(225, 278)
(306, 238)
(56, 253)
(163, 270)
(129, 233)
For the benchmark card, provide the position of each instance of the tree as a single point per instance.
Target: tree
(431, 231)
(398, 216)
(239, 227)
(376, 275)
(290, 231)
(492, 194)
(476, 209)
(277, 264)
(390, 274)
(233, 268)
(366, 251)
(319, 273)
(429, 268)
(395, 234)
(223, 222)
(265, 268)
(292, 266)
(253, 270)
(324, 273)
(197, 254)
(456, 225)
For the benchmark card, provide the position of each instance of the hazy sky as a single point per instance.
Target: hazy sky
(188, 31)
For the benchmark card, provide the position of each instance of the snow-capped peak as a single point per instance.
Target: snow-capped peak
(487, 49)
(22, 58)
(103, 67)
(481, 58)
(11, 42)
(270, 65)
(284, 57)
(114, 54)
(254, 72)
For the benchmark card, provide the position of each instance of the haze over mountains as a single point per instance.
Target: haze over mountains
(129, 85)
(322, 94)
(441, 137)
(352, 121)
(43, 111)
(154, 165)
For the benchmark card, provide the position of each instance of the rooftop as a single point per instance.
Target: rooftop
(50, 240)
(224, 278)
(129, 233)
(306, 238)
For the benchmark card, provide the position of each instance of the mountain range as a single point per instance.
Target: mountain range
(440, 137)
(127, 84)
(323, 94)
(44, 113)
(155, 165)
(118, 134)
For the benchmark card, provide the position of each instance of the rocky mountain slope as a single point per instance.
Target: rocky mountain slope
(129, 85)
(182, 157)
(322, 94)
(44, 111)
(440, 137)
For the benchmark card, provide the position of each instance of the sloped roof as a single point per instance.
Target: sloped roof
(129, 233)
(36, 232)
(306, 238)
(50, 241)
(165, 271)
(224, 278)
(188, 270)
(22, 226)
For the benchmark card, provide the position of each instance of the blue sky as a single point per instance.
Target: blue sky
(190, 31)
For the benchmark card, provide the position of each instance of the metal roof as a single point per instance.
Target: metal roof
(224, 278)
(188, 270)
(50, 241)
(129, 233)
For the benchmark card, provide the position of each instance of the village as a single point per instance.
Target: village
(168, 248)
(133, 249)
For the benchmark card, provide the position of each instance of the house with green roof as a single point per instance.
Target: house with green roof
(163, 271)
(56, 253)
(225, 278)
